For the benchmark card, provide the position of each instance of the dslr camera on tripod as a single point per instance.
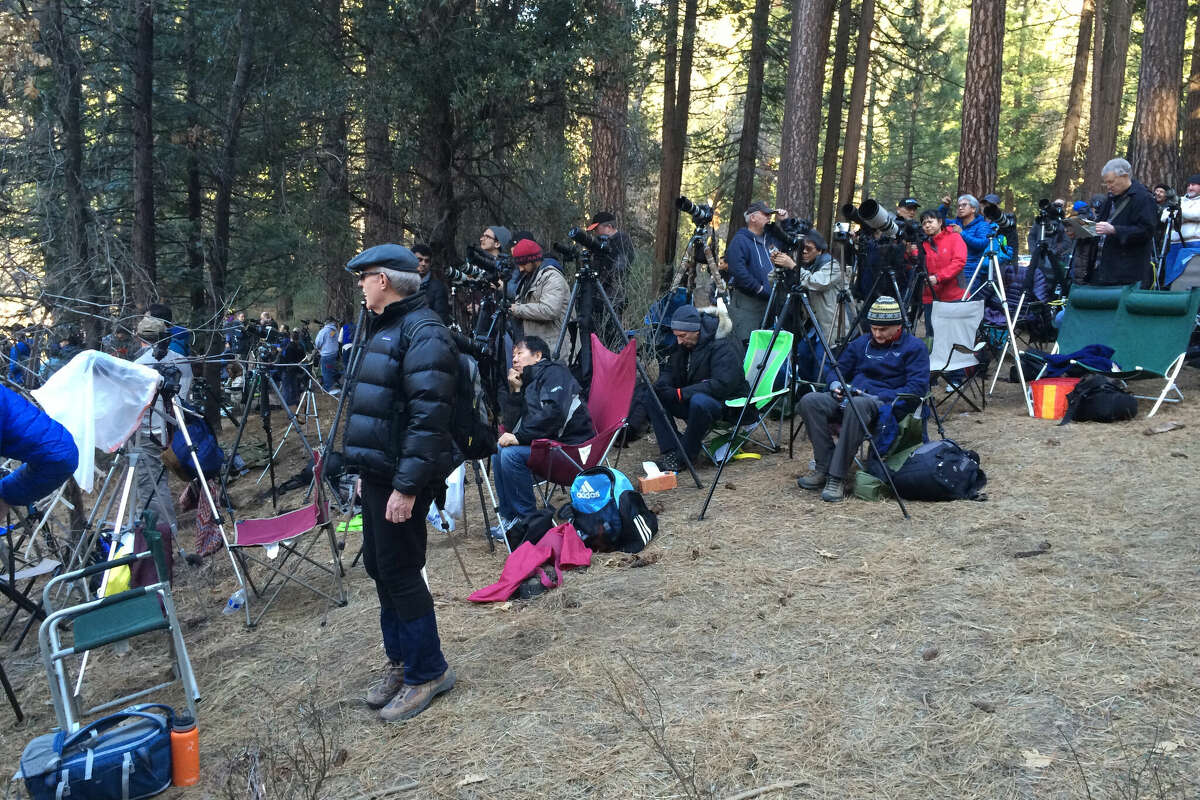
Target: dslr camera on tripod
(481, 268)
(701, 214)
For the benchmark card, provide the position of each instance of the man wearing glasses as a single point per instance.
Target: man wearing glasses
(398, 438)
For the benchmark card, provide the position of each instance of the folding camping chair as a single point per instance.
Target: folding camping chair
(282, 535)
(764, 396)
(110, 619)
(955, 350)
(613, 378)
(1151, 338)
(1089, 318)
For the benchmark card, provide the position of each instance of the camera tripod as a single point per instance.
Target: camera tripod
(799, 294)
(586, 277)
(306, 407)
(889, 271)
(995, 281)
(1164, 249)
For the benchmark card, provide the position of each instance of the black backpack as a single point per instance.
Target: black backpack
(474, 435)
(1099, 398)
(938, 470)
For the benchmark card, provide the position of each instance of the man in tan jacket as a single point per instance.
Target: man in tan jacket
(542, 294)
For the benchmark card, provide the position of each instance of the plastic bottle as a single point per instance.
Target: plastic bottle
(185, 752)
(235, 602)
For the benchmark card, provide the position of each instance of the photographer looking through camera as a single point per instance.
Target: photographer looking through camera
(822, 277)
(750, 268)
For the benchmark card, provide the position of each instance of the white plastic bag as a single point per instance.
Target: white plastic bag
(100, 400)
(443, 519)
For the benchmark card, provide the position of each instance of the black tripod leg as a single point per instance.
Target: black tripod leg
(483, 506)
(762, 368)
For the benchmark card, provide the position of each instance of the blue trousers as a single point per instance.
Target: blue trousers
(413, 643)
(700, 411)
(329, 371)
(514, 482)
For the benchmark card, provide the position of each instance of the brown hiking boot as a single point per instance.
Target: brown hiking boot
(382, 691)
(834, 491)
(412, 700)
(812, 480)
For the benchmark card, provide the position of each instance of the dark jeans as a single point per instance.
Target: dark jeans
(928, 307)
(393, 555)
(700, 411)
(289, 386)
(514, 482)
(820, 410)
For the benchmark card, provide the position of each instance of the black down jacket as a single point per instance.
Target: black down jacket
(402, 401)
(550, 406)
(713, 367)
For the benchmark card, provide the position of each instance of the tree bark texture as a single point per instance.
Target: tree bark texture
(218, 263)
(747, 163)
(142, 246)
(333, 240)
(858, 94)
(378, 224)
(1065, 172)
(607, 157)
(1156, 121)
(195, 189)
(1108, 82)
(666, 229)
(1189, 151)
(833, 122)
(981, 99)
(868, 145)
(811, 21)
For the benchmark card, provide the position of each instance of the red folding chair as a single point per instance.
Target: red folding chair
(285, 551)
(613, 378)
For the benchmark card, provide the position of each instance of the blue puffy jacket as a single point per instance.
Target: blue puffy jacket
(46, 448)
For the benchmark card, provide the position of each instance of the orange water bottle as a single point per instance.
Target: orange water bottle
(185, 752)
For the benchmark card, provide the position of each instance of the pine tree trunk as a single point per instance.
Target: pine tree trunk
(811, 20)
(858, 93)
(1156, 121)
(1189, 152)
(142, 245)
(1108, 82)
(218, 263)
(743, 186)
(666, 230)
(981, 99)
(833, 124)
(195, 189)
(378, 221)
(607, 157)
(868, 146)
(1064, 170)
(334, 242)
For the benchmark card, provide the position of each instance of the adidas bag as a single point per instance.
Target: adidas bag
(609, 514)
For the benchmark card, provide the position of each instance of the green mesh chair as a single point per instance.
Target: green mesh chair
(764, 396)
(115, 618)
(1151, 338)
(1089, 318)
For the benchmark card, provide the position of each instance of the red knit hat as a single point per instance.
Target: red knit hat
(525, 251)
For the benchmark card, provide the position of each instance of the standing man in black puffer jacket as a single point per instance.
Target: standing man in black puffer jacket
(398, 438)
(704, 369)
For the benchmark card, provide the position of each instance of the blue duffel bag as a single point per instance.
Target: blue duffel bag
(123, 756)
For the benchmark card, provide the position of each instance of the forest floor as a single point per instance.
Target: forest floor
(813, 649)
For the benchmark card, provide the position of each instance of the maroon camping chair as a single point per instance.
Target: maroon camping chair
(613, 378)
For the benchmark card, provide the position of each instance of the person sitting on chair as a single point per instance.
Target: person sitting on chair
(879, 367)
(704, 369)
(545, 402)
(48, 452)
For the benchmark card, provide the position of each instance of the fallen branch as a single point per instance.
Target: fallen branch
(761, 790)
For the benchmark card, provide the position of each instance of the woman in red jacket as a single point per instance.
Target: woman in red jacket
(945, 257)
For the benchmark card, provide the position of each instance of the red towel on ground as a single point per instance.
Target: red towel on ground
(560, 546)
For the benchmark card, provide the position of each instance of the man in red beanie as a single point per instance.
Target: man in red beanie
(542, 294)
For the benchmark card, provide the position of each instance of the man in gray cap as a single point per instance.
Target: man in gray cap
(749, 254)
(704, 369)
(401, 402)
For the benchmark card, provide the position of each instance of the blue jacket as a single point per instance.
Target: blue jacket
(976, 237)
(900, 368)
(47, 450)
(18, 355)
(750, 262)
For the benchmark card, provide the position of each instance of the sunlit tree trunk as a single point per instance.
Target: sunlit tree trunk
(1064, 170)
(868, 145)
(607, 157)
(981, 99)
(858, 93)
(1108, 81)
(833, 124)
(743, 186)
(1189, 152)
(1156, 121)
(666, 230)
(811, 20)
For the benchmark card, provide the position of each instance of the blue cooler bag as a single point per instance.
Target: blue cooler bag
(608, 513)
(123, 756)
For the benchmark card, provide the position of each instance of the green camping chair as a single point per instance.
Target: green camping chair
(764, 396)
(115, 618)
(1151, 338)
(1089, 318)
